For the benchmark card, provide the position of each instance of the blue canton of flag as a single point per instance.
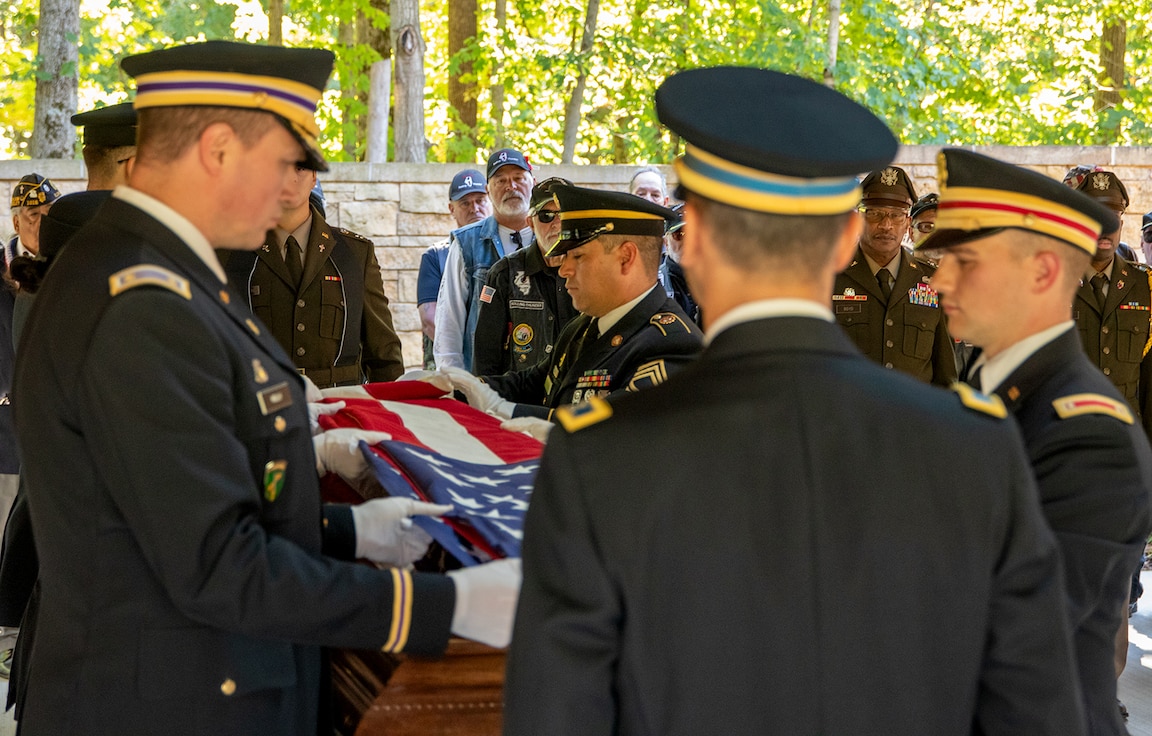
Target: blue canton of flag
(492, 499)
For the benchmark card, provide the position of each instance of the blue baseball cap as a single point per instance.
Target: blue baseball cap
(466, 182)
(505, 157)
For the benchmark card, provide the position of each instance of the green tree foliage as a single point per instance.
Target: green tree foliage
(1015, 72)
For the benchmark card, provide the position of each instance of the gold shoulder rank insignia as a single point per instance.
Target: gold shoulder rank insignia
(983, 403)
(648, 375)
(592, 411)
(663, 319)
(148, 275)
(354, 236)
(1077, 404)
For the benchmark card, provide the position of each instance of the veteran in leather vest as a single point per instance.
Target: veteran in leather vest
(884, 300)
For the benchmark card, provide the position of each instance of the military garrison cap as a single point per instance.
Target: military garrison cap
(980, 195)
(287, 83)
(586, 214)
(1100, 185)
(34, 190)
(889, 186)
(929, 201)
(771, 142)
(111, 126)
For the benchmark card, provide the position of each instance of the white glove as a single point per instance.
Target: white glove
(338, 451)
(480, 395)
(385, 533)
(315, 411)
(486, 601)
(311, 390)
(534, 427)
(436, 378)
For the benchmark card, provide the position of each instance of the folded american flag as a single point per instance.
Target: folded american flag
(444, 451)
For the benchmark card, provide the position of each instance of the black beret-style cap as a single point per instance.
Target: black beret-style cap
(586, 214)
(979, 194)
(286, 82)
(891, 186)
(771, 142)
(111, 126)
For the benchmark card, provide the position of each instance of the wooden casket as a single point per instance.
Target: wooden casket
(459, 694)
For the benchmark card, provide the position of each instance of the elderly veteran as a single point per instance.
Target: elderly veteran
(165, 438)
(683, 572)
(884, 300)
(32, 197)
(523, 304)
(1014, 242)
(629, 334)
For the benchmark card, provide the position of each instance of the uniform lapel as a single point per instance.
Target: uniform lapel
(911, 274)
(318, 250)
(1086, 295)
(859, 272)
(602, 348)
(1123, 277)
(270, 254)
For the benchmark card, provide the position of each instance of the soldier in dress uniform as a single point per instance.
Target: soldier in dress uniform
(189, 574)
(683, 566)
(629, 334)
(884, 300)
(320, 292)
(1113, 306)
(1014, 244)
(524, 305)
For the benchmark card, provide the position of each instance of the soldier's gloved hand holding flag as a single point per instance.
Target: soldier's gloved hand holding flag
(480, 395)
(534, 427)
(486, 601)
(385, 533)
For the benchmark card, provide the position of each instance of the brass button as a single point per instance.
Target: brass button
(300, 327)
(1106, 351)
(887, 365)
(889, 344)
(889, 322)
(300, 303)
(1107, 371)
(228, 687)
(280, 424)
(299, 351)
(1104, 329)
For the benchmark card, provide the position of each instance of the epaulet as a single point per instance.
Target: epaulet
(663, 321)
(1139, 266)
(585, 414)
(1077, 404)
(983, 403)
(147, 274)
(352, 235)
(924, 262)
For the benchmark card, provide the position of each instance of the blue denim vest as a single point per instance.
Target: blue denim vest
(480, 247)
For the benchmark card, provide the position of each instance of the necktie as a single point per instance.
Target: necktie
(974, 379)
(517, 241)
(292, 260)
(591, 334)
(1099, 281)
(884, 278)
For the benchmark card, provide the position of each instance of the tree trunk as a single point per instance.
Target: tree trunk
(461, 82)
(411, 145)
(53, 135)
(379, 87)
(833, 42)
(1113, 46)
(275, 22)
(572, 112)
(346, 36)
(497, 88)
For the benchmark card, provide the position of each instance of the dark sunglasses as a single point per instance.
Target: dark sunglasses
(547, 216)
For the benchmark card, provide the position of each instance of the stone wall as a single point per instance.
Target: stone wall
(403, 207)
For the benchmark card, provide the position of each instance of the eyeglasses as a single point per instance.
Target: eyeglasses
(876, 216)
(925, 227)
(677, 234)
(547, 216)
(1148, 235)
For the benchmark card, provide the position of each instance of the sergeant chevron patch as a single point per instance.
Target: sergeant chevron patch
(648, 375)
(1077, 404)
(148, 275)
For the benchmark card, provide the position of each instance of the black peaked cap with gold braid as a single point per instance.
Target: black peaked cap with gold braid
(287, 83)
(586, 214)
(980, 194)
(112, 126)
(771, 142)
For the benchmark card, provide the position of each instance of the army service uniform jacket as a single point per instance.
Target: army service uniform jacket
(174, 497)
(684, 572)
(653, 339)
(1093, 465)
(909, 333)
(523, 308)
(336, 326)
(1116, 339)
